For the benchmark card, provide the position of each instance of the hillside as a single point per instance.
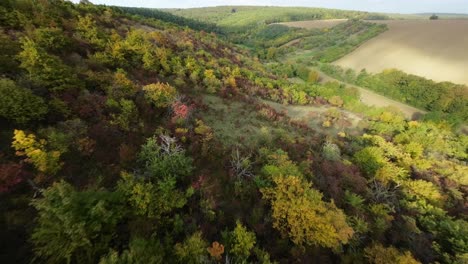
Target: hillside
(146, 139)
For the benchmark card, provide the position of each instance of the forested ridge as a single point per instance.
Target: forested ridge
(143, 139)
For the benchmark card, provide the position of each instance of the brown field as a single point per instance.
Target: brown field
(315, 23)
(437, 50)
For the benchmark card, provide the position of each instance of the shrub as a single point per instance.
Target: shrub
(331, 151)
(313, 77)
(192, 250)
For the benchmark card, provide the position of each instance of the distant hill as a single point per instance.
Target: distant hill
(444, 15)
(168, 17)
(239, 18)
(427, 15)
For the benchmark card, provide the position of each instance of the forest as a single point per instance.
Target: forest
(141, 137)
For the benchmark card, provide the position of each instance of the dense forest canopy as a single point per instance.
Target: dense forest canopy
(134, 137)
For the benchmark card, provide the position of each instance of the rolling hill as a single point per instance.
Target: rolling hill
(130, 136)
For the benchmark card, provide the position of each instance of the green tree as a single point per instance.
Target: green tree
(75, 226)
(153, 192)
(52, 39)
(87, 30)
(242, 242)
(8, 52)
(19, 104)
(127, 113)
(331, 151)
(164, 160)
(44, 69)
(192, 250)
(148, 251)
(370, 159)
(152, 199)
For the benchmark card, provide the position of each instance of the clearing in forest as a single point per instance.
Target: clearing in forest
(434, 49)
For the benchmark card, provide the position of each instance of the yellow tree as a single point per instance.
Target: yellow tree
(36, 152)
(160, 94)
(378, 254)
(300, 214)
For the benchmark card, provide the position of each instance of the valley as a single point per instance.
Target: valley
(231, 134)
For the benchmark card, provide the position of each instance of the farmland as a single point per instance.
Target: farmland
(432, 49)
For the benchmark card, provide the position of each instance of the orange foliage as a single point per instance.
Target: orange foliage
(216, 250)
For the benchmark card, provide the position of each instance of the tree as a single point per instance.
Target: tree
(8, 64)
(299, 213)
(433, 17)
(44, 69)
(164, 160)
(75, 226)
(421, 189)
(152, 199)
(160, 94)
(52, 39)
(241, 242)
(19, 104)
(127, 113)
(331, 151)
(87, 30)
(45, 161)
(216, 250)
(279, 164)
(122, 86)
(152, 191)
(148, 251)
(378, 254)
(192, 250)
(241, 165)
(370, 159)
(212, 83)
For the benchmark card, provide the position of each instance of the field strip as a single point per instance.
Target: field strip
(371, 98)
(312, 24)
